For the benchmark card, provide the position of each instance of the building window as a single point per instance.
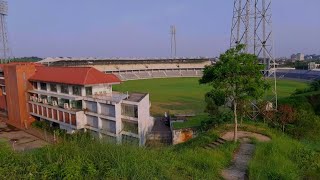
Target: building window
(76, 105)
(53, 87)
(108, 139)
(63, 101)
(129, 110)
(43, 97)
(43, 86)
(64, 89)
(76, 90)
(89, 91)
(53, 99)
(35, 85)
(129, 140)
(130, 126)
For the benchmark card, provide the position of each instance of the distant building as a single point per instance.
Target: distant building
(297, 57)
(74, 99)
(312, 65)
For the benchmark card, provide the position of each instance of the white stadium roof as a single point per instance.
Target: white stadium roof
(57, 59)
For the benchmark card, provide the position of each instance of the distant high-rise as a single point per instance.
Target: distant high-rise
(4, 43)
(297, 57)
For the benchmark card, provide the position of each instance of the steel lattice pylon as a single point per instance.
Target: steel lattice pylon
(252, 26)
(5, 52)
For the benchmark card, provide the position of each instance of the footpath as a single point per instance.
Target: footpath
(238, 170)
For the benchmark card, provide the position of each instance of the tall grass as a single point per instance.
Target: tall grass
(284, 158)
(84, 158)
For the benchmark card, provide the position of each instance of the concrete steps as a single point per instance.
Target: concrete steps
(215, 144)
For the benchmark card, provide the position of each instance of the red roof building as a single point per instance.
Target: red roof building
(73, 76)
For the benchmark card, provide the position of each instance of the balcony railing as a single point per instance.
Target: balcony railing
(54, 106)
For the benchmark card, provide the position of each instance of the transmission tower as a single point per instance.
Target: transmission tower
(252, 26)
(4, 43)
(173, 41)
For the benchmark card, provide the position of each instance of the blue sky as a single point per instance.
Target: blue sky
(140, 28)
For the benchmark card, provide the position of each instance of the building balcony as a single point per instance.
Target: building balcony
(99, 115)
(104, 131)
(57, 107)
(66, 117)
(55, 94)
(129, 118)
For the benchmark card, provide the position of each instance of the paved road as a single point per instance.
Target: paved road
(19, 140)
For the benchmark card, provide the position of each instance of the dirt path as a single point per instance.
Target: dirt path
(245, 134)
(19, 140)
(240, 163)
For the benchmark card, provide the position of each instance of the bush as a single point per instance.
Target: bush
(223, 115)
(298, 114)
(306, 126)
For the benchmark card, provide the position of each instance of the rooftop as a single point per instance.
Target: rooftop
(73, 76)
(136, 97)
(92, 59)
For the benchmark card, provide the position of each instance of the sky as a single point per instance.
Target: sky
(141, 28)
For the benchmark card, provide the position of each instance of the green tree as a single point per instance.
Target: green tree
(239, 76)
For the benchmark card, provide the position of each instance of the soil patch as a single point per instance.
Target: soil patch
(245, 134)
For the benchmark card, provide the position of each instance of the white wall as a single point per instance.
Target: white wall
(101, 89)
(144, 120)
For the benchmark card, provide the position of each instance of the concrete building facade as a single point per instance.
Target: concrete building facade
(297, 57)
(82, 99)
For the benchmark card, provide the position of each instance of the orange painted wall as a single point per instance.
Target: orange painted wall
(17, 85)
(3, 102)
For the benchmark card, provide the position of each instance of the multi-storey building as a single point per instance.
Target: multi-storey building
(297, 57)
(81, 98)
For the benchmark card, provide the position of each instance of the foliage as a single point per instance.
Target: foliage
(26, 59)
(299, 114)
(44, 125)
(237, 77)
(284, 158)
(214, 99)
(306, 126)
(223, 116)
(84, 158)
(313, 86)
(301, 65)
(285, 115)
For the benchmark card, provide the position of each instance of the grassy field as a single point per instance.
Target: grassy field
(185, 95)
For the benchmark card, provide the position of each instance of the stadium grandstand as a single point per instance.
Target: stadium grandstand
(148, 68)
(292, 73)
(138, 68)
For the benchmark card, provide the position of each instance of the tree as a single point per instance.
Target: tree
(239, 76)
(286, 115)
